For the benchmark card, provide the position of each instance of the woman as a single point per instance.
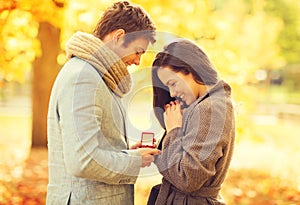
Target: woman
(195, 109)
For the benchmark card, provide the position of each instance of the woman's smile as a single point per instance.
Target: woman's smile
(182, 86)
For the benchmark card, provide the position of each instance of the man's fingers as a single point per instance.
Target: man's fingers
(147, 160)
(148, 156)
(135, 146)
(153, 151)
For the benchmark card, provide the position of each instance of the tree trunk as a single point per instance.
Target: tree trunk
(45, 69)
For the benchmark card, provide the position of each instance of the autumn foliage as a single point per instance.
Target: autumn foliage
(244, 39)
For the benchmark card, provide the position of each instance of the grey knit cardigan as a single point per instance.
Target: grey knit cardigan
(195, 158)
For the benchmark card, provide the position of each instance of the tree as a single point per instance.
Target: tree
(45, 69)
(35, 44)
(289, 37)
(239, 36)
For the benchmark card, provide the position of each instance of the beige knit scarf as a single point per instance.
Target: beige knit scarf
(91, 49)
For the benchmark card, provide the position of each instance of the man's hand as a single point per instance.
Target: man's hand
(148, 155)
(139, 144)
(136, 145)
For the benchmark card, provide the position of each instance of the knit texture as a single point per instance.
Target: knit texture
(92, 50)
(195, 158)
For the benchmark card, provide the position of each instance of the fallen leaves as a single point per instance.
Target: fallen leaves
(31, 187)
(255, 187)
(241, 187)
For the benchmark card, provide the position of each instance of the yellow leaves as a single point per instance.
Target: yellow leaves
(7, 5)
(28, 183)
(251, 186)
(61, 59)
(259, 35)
(19, 44)
(238, 40)
(49, 10)
(19, 23)
(244, 41)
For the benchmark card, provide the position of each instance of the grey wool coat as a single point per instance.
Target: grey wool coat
(89, 160)
(196, 157)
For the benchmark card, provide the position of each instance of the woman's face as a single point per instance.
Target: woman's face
(180, 85)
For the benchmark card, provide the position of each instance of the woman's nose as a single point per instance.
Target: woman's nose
(172, 93)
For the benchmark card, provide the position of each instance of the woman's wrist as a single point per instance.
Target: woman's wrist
(172, 129)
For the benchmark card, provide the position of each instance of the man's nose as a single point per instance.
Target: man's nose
(137, 60)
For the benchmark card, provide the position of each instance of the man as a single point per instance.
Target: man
(89, 158)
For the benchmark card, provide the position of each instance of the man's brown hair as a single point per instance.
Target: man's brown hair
(132, 18)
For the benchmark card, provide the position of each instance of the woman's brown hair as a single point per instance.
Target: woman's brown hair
(180, 56)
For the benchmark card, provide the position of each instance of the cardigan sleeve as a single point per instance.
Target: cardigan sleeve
(190, 153)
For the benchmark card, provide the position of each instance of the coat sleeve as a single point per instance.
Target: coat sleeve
(190, 153)
(87, 152)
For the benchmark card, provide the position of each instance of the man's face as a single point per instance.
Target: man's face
(131, 54)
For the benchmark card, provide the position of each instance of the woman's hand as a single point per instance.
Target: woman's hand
(173, 115)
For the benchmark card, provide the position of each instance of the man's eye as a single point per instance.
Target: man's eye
(139, 52)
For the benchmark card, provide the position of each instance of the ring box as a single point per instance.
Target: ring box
(147, 140)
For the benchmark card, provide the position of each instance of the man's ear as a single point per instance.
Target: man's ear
(118, 34)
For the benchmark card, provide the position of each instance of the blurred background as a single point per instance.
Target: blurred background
(254, 44)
